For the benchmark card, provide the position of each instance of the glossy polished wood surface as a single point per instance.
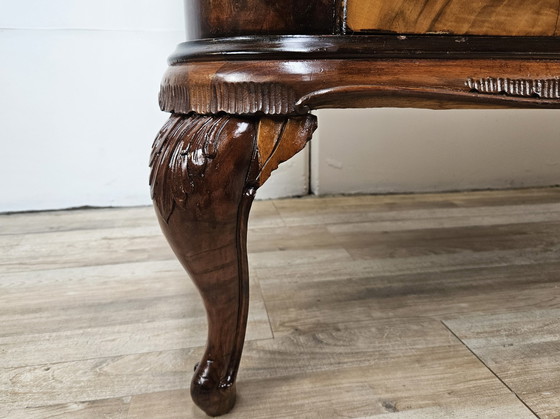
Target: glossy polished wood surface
(472, 17)
(216, 18)
(222, 18)
(296, 87)
(241, 105)
(371, 47)
(205, 171)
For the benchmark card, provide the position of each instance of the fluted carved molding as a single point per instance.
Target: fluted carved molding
(538, 88)
(297, 87)
(235, 98)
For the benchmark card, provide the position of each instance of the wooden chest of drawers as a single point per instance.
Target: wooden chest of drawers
(241, 94)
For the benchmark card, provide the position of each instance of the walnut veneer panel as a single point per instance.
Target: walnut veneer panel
(462, 17)
(215, 18)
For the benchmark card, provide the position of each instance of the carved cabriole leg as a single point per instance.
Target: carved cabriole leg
(205, 172)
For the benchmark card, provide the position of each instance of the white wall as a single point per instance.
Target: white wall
(411, 150)
(78, 112)
(78, 101)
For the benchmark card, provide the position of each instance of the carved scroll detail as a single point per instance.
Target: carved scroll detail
(181, 155)
(242, 98)
(290, 136)
(542, 88)
(187, 144)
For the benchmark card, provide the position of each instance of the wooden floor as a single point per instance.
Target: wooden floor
(404, 307)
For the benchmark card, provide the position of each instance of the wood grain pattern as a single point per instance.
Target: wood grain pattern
(360, 373)
(304, 85)
(205, 172)
(137, 321)
(116, 408)
(372, 47)
(406, 214)
(202, 191)
(102, 246)
(478, 17)
(215, 18)
(357, 334)
(519, 347)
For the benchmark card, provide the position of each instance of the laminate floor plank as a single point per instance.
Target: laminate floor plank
(118, 236)
(512, 204)
(523, 349)
(363, 243)
(107, 409)
(311, 306)
(451, 218)
(109, 295)
(74, 219)
(412, 369)
(67, 249)
(294, 238)
(263, 214)
(108, 310)
(95, 379)
(403, 307)
(84, 248)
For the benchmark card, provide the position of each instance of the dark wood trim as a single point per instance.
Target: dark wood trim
(241, 106)
(280, 87)
(205, 171)
(212, 18)
(340, 17)
(365, 47)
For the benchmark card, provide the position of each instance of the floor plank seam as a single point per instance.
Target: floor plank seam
(279, 212)
(265, 307)
(490, 369)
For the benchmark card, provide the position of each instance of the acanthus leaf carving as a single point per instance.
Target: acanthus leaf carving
(189, 146)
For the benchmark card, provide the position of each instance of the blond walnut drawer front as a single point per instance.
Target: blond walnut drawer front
(459, 17)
